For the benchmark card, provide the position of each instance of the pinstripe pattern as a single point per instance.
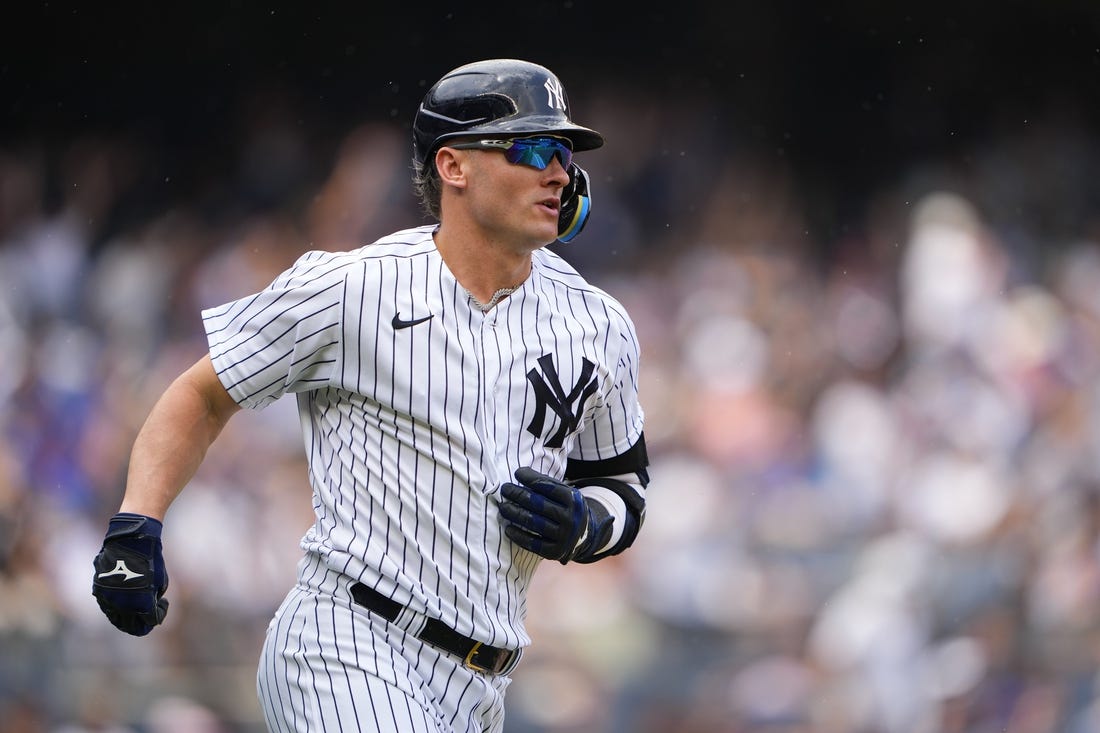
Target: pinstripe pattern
(329, 665)
(409, 434)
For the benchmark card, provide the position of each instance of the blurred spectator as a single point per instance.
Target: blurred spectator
(875, 504)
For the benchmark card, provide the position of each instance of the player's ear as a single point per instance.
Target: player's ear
(448, 164)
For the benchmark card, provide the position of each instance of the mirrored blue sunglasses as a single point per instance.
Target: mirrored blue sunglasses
(536, 152)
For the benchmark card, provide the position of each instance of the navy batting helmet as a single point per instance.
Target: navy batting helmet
(497, 98)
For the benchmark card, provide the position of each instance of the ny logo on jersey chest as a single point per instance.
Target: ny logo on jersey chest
(549, 393)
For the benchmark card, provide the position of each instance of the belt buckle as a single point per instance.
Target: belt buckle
(507, 665)
(469, 660)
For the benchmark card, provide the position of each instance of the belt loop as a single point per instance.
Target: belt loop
(512, 662)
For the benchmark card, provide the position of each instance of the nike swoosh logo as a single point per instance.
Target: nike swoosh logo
(398, 323)
(120, 569)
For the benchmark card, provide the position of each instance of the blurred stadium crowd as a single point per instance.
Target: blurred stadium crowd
(875, 504)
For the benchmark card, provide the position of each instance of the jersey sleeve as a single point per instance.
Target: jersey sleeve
(286, 338)
(616, 425)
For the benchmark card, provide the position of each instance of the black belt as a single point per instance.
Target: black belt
(474, 654)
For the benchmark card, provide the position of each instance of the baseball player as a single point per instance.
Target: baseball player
(469, 408)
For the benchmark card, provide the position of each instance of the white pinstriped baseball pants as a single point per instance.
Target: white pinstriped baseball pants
(330, 665)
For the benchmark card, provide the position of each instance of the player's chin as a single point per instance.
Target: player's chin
(549, 238)
(546, 228)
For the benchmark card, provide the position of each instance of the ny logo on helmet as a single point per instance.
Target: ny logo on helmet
(550, 393)
(555, 94)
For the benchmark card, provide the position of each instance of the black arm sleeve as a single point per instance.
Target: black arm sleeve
(634, 460)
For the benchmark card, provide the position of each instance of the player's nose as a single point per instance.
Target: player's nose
(557, 172)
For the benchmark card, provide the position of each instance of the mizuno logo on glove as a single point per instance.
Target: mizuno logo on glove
(121, 569)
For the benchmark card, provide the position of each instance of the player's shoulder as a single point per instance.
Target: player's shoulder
(406, 243)
(556, 274)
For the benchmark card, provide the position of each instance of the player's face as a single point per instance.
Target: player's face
(516, 201)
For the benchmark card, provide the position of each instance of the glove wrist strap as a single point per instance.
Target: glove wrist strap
(128, 523)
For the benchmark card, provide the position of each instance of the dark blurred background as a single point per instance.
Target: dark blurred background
(843, 94)
(861, 245)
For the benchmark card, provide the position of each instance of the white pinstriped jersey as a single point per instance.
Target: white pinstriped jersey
(416, 407)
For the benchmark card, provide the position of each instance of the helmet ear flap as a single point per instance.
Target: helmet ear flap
(576, 204)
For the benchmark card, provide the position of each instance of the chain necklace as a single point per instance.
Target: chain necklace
(486, 307)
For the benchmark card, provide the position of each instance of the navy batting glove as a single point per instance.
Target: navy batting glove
(130, 577)
(551, 518)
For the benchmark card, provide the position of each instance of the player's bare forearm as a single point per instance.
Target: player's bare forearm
(172, 443)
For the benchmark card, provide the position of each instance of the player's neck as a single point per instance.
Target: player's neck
(483, 267)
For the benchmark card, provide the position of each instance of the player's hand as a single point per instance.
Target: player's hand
(130, 578)
(551, 518)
